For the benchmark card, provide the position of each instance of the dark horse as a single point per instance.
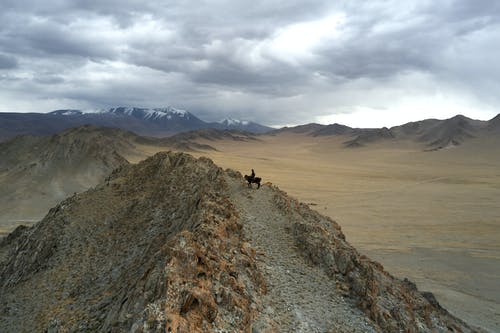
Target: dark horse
(254, 180)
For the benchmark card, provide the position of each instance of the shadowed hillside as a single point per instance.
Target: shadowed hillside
(367, 136)
(441, 133)
(38, 172)
(494, 124)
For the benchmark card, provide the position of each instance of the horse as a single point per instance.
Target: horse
(255, 180)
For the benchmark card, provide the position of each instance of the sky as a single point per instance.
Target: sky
(277, 62)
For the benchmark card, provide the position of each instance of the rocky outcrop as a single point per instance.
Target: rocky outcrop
(394, 305)
(161, 247)
(155, 248)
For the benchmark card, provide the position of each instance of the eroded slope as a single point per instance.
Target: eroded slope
(158, 246)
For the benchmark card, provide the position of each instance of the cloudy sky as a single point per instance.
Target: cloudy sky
(362, 63)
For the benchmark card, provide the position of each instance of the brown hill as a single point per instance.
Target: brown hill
(442, 133)
(368, 135)
(494, 124)
(333, 129)
(38, 172)
(211, 134)
(431, 134)
(300, 129)
(175, 244)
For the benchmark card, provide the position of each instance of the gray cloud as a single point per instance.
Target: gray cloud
(277, 62)
(7, 62)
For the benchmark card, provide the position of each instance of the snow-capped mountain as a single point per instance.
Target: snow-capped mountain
(159, 122)
(234, 122)
(243, 125)
(66, 113)
(145, 121)
(141, 113)
(168, 113)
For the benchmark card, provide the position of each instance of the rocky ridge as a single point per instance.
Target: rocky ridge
(176, 244)
(156, 248)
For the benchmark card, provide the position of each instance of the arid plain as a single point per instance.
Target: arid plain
(430, 216)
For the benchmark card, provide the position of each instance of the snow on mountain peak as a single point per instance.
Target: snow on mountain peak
(155, 113)
(168, 112)
(68, 112)
(234, 122)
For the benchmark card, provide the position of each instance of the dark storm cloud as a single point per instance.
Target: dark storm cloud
(285, 61)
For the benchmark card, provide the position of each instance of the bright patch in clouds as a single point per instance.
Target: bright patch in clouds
(297, 42)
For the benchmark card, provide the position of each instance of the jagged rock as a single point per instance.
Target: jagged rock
(150, 249)
(394, 305)
(162, 246)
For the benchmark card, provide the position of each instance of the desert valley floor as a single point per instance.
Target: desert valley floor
(433, 217)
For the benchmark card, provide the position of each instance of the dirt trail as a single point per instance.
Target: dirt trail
(301, 297)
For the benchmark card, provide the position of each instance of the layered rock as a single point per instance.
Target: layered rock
(155, 248)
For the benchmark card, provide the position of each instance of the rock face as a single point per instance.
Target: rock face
(156, 247)
(393, 305)
(175, 244)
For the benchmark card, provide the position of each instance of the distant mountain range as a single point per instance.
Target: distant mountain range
(165, 122)
(157, 122)
(432, 133)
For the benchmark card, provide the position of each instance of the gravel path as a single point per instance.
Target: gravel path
(301, 297)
